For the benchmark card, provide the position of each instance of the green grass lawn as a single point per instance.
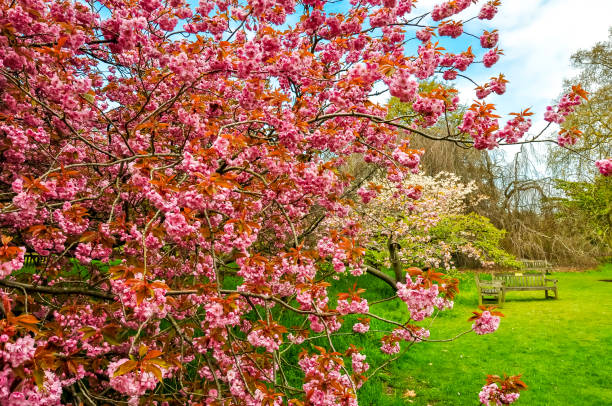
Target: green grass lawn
(562, 348)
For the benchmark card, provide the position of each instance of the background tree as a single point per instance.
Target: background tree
(593, 118)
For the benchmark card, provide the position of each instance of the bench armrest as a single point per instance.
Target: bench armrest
(551, 280)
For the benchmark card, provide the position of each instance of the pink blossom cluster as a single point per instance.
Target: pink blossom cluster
(12, 263)
(217, 317)
(567, 137)
(514, 129)
(424, 35)
(444, 10)
(46, 243)
(414, 334)
(450, 28)
(486, 323)
(491, 395)
(262, 338)
(491, 57)
(430, 109)
(450, 74)
(402, 86)
(489, 39)
(361, 327)
(352, 307)
(418, 298)
(86, 252)
(327, 248)
(68, 221)
(358, 363)
(488, 11)
(153, 305)
(428, 60)
(391, 347)
(410, 159)
(443, 303)
(414, 192)
(459, 61)
(133, 384)
(498, 85)
(27, 393)
(19, 352)
(319, 379)
(479, 127)
(566, 106)
(366, 194)
(604, 166)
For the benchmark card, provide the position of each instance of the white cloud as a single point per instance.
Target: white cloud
(539, 37)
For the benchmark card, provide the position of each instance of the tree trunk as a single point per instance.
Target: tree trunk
(396, 263)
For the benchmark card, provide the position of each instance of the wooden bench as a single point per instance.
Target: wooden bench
(489, 288)
(518, 282)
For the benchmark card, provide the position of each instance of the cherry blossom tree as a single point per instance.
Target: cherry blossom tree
(408, 224)
(152, 148)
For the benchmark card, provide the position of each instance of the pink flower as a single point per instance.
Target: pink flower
(359, 366)
(418, 298)
(366, 194)
(11, 260)
(489, 39)
(444, 10)
(424, 35)
(355, 306)
(604, 166)
(361, 327)
(261, 338)
(451, 29)
(488, 11)
(463, 61)
(491, 57)
(390, 348)
(19, 352)
(450, 74)
(410, 160)
(402, 86)
(486, 323)
(491, 395)
(134, 383)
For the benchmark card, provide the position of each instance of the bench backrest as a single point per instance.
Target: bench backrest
(513, 281)
(34, 259)
(535, 264)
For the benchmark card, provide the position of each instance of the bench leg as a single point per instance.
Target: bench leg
(503, 297)
(479, 298)
(545, 293)
(556, 294)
